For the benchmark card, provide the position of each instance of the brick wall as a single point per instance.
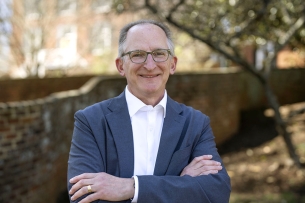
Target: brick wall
(35, 140)
(35, 135)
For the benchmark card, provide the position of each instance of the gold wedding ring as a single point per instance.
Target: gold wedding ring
(89, 189)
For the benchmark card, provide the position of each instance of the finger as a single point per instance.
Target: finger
(210, 163)
(80, 184)
(82, 176)
(200, 158)
(207, 157)
(90, 198)
(209, 172)
(82, 191)
(201, 170)
(205, 163)
(203, 157)
(208, 168)
(192, 173)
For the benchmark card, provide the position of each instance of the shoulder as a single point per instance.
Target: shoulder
(185, 110)
(104, 107)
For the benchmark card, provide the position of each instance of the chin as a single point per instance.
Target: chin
(152, 90)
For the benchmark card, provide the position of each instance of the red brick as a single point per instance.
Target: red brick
(21, 142)
(27, 120)
(4, 129)
(6, 144)
(11, 136)
(13, 121)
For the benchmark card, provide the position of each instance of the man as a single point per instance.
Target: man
(142, 146)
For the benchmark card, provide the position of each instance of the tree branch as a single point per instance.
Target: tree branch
(151, 7)
(174, 8)
(286, 17)
(246, 24)
(291, 32)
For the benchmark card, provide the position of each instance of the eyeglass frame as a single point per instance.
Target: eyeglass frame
(148, 52)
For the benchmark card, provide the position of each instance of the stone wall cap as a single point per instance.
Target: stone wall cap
(220, 70)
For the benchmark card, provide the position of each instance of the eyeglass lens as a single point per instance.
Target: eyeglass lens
(140, 56)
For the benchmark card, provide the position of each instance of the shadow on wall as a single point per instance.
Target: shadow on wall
(255, 129)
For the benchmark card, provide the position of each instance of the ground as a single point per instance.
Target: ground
(258, 162)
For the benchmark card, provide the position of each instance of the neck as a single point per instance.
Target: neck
(149, 98)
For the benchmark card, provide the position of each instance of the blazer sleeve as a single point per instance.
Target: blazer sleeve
(85, 154)
(213, 188)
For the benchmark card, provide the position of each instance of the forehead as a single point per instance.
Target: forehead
(146, 37)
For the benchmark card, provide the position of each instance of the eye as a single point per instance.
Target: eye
(138, 54)
(159, 53)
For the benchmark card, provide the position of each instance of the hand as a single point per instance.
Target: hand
(103, 187)
(201, 165)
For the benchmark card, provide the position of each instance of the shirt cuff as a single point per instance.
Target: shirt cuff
(136, 189)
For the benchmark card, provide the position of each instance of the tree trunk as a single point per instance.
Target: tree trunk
(282, 125)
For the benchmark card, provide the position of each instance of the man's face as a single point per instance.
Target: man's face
(147, 79)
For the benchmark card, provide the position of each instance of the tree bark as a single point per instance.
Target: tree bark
(282, 125)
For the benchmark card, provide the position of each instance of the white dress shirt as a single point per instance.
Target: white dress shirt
(147, 123)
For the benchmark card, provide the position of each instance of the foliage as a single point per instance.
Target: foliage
(226, 26)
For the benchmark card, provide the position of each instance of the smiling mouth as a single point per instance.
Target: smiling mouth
(149, 76)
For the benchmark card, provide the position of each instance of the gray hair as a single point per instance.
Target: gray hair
(125, 29)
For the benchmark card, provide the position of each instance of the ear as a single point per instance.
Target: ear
(119, 66)
(173, 65)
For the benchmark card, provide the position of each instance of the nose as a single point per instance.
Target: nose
(150, 64)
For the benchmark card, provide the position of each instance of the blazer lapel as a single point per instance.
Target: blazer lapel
(171, 132)
(120, 125)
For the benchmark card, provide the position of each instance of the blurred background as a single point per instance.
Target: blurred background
(240, 62)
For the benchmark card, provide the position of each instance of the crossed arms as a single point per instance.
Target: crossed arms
(107, 187)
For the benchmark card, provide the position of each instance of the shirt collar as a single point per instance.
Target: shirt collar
(134, 104)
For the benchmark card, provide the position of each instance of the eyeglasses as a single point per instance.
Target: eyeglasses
(140, 56)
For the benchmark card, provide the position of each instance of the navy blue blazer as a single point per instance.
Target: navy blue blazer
(103, 142)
